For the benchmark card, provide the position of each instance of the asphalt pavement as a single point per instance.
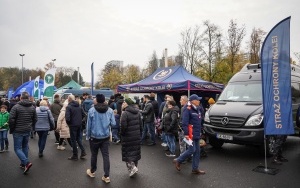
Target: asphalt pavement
(230, 167)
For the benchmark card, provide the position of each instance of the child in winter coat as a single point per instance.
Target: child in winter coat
(4, 116)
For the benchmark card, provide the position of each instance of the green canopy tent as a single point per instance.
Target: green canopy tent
(71, 85)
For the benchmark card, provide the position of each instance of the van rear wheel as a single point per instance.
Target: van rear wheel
(216, 143)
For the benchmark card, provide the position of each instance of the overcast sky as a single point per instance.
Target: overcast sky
(79, 32)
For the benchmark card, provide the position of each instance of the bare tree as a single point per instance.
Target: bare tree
(235, 37)
(210, 49)
(49, 65)
(256, 40)
(189, 47)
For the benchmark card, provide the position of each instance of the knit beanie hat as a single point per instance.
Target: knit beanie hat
(211, 101)
(100, 98)
(129, 101)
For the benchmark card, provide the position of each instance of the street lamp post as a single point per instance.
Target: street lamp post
(22, 55)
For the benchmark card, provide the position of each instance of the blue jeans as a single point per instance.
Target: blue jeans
(76, 137)
(170, 138)
(21, 146)
(42, 140)
(95, 145)
(192, 150)
(163, 137)
(149, 127)
(115, 133)
(3, 138)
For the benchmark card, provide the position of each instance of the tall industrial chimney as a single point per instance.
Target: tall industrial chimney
(166, 57)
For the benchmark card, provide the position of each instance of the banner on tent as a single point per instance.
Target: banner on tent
(276, 80)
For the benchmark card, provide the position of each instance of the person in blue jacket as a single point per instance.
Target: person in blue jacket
(191, 125)
(100, 119)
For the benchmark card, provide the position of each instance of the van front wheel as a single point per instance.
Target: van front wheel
(216, 143)
(270, 141)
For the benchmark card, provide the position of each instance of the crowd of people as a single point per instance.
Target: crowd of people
(132, 123)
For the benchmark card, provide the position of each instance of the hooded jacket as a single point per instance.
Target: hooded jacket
(100, 118)
(44, 119)
(131, 128)
(74, 114)
(170, 120)
(22, 117)
(55, 108)
(148, 113)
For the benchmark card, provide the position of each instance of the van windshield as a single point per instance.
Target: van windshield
(242, 92)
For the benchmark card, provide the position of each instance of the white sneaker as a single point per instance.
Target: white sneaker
(164, 144)
(61, 148)
(106, 179)
(133, 171)
(89, 173)
(170, 155)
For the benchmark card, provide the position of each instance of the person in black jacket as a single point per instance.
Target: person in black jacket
(74, 115)
(119, 104)
(148, 118)
(55, 108)
(154, 104)
(21, 120)
(131, 124)
(111, 103)
(170, 122)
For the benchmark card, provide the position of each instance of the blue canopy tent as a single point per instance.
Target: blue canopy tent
(173, 80)
(29, 86)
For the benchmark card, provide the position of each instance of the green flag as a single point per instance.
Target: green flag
(49, 80)
(36, 90)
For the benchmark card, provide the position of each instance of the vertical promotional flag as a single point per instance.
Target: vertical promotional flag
(36, 89)
(9, 92)
(276, 80)
(49, 84)
(92, 78)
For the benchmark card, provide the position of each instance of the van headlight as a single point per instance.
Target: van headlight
(255, 120)
(206, 117)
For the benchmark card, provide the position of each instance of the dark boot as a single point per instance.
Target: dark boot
(282, 159)
(276, 160)
(177, 164)
(74, 158)
(83, 154)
